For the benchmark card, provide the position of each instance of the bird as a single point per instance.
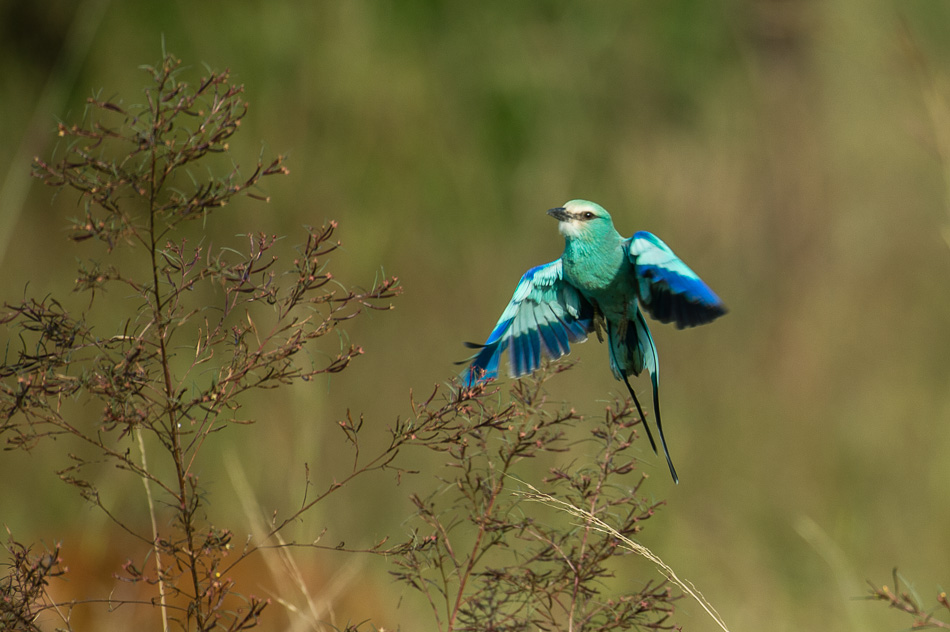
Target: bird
(599, 284)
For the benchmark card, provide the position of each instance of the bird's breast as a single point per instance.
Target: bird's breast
(607, 285)
(593, 276)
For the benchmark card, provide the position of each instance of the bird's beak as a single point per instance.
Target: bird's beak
(560, 214)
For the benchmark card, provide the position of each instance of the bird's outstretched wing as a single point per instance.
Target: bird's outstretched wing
(669, 290)
(544, 316)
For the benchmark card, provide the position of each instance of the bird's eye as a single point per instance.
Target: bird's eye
(589, 215)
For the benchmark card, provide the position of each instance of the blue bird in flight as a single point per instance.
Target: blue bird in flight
(596, 285)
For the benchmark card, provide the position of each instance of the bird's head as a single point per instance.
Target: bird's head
(580, 219)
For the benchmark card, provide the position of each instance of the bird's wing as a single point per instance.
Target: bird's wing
(669, 290)
(544, 316)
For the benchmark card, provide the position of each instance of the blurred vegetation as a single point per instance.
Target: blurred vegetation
(906, 600)
(795, 153)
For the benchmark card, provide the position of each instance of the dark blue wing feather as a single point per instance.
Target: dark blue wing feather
(669, 290)
(545, 315)
(555, 338)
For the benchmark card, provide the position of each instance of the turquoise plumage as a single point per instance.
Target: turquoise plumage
(601, 280)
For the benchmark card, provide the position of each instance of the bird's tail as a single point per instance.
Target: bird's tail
(631, 351)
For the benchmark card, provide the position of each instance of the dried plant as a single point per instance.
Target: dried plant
(483, 560)
(204, 327)
(905, 600)
(24, 586)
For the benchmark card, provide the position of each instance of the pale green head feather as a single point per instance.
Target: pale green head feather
(575, 207)
(586, 221)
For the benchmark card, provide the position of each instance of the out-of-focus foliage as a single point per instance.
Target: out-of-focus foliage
(794, 152)
(907, 601)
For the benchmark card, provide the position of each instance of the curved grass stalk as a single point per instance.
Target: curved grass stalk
(596, 523)
(151, 513)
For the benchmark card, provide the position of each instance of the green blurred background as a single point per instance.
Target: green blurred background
(795, 153)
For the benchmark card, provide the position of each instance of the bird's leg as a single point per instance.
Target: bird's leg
(622, 329)
(599, 323)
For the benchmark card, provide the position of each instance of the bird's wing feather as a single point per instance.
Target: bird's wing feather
(669, 290)
(544, 316)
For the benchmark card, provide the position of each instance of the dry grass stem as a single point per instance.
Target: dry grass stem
(535, 495)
